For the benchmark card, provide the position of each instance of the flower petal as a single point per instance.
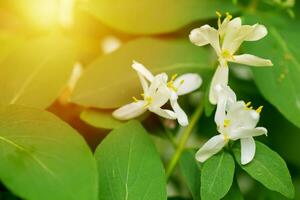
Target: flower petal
(247, 59)
(143, 82)
(180, 114)
(161, 96)
(168, 114)
(205, 35)
(220, 77)
(258, 32)
(140, 68)
(210, 148)
(158, 81)
(187, 83)
(247, 132)
(225, 98)
(230, 42)
(247, 150)
(130, 111)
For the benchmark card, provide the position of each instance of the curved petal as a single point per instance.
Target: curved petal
(258, 32)
(130, 111)
(210, 148)
(143, 82)
(220, 112)
(230, 42)
(205, 35)
(220, 78)
(247, 150)
(161, 96)
(247, 132)
(225, 98)
(180, 114)
(247, 59)
(158, 81)
(187, 83)
(168, 114)
(140, 68)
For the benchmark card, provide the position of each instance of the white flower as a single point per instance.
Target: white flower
(155, 96)
(170, 90)
(238, 121)
(178, 86)
(226, 41)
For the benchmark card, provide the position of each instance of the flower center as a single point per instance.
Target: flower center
(226, 123)
(226, 137)
(225, 54)
(149, 101)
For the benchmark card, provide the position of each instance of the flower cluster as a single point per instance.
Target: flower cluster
(234, 119)
(157, 91)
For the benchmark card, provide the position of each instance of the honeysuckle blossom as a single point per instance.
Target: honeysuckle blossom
(154, 97)
(226, 40)
(177, 86)
(237, 121)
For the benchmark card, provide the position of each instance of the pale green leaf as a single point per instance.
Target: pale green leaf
(217, 176)
(129, 165)
(156, 16)
(35, 74)
(100, 119)
(43, 157)
(110, 82)
(268, 168)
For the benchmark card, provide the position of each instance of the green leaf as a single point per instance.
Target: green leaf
(268, 168)
(110, 82)
(35, 74)
(129, 165)
(216, 176)
(100, 119)
(279, 84)
(43, 157)
(191, 172)
(234, 193)
(156, 16)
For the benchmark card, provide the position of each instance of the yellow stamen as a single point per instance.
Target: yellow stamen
(170, 84)
(228, 15)
(259, 109)
(226, 123)
(248, 104)
(219, 18)
(142, 94)
(148, 100)
(135, 99)
(174, 77)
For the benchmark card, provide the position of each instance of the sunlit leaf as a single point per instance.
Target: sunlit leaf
(191, 172)
(216, 176)
(279, 84)
(35, 74)
(110, 81)
(156, 16)
(268, 168)
(129, 165)
(100, 119)
(8, 43)
(43, 157)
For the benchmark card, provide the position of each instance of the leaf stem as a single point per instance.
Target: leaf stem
(183, 140)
